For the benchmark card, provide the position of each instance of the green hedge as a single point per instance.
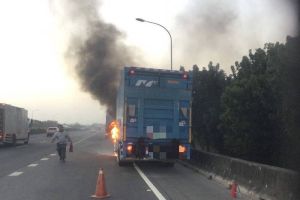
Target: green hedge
(37, 131)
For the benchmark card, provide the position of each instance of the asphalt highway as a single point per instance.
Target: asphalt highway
(34, 172)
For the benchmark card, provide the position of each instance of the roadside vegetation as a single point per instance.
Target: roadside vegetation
(254, 112)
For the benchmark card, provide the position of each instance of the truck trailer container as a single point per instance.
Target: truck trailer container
(13, 124)
(153, 110)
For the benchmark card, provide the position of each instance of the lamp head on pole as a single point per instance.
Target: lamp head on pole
(140, 19)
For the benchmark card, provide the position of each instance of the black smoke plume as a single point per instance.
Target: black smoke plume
(95, 48)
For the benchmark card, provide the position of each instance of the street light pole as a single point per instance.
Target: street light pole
(142, 20)
(33, 112)
(32, 116)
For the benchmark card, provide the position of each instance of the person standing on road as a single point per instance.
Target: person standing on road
(62, 139)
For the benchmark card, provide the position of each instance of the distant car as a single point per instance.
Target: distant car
(51, 131)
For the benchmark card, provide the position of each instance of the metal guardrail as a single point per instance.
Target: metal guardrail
(267, 181)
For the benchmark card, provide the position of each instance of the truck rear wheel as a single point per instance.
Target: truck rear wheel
(120, 163)
(27, 140)
(14, 141)
(169, 164)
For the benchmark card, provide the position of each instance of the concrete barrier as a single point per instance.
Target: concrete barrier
(268, 182)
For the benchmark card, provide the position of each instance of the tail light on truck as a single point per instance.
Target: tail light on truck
(182, 149)
(131, 72)
(130, 148)
(185, 76)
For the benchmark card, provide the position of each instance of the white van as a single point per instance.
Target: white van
(51, 131)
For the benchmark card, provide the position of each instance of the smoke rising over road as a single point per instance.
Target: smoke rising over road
(95, 50)
(224, 31)
(207, 30)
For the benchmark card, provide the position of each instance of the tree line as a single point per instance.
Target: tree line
(254, 112)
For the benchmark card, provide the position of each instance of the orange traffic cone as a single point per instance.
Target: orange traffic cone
(100, 187)
(233, 190)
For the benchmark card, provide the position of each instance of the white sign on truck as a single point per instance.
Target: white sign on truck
(13, 124)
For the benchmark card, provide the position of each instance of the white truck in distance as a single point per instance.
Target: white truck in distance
(13, 125)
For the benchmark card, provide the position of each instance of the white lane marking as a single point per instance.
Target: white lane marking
(32, 165)
(106, 154)
(15, 174)
(148, 182)
(84, 139)
(21, 147)
(53, 154)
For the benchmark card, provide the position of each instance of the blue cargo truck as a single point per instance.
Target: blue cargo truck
(154, 115)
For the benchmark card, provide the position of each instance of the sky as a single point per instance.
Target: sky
(37, 39)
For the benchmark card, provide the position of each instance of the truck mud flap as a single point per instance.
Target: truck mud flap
(140, 148)
(174, 153)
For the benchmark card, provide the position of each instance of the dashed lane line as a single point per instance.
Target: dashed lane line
(149, 183)
(54, 154)
(32, 165)
(22, 146)
(16, 174)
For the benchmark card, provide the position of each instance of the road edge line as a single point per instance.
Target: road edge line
(219, 179)
(149, 183)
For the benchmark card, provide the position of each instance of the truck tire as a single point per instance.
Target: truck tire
(169, 164)
(118, 160)
(120, 163)
(14, 140)
(27, 140)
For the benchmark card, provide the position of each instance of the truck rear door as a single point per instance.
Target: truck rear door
(158, 118)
